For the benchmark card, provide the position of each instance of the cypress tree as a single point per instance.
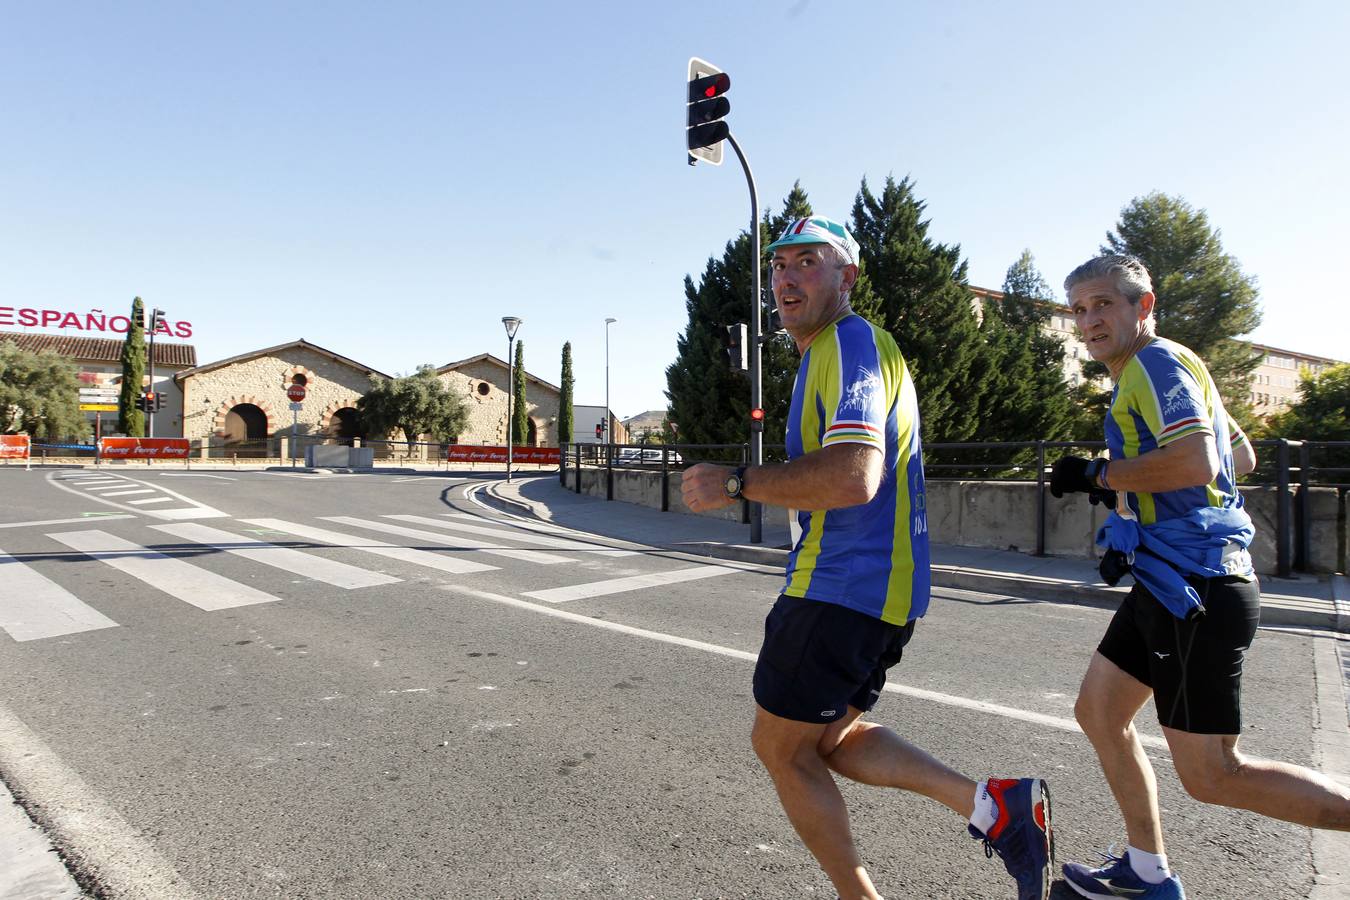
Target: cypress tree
(565, 397)
(130, 420)
(520, 415)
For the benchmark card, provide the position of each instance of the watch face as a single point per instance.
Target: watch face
(733, 485)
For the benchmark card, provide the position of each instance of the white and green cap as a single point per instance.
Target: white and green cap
(819, 230)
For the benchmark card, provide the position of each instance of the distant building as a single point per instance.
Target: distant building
(482, 381)
(1060, 324)
(1275, 380)
(98, 364)
(584, 422)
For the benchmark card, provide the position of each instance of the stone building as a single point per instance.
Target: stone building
(242, 399)
(98, 365)
(482, 381)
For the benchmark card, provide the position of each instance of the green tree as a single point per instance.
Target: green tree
(1322, 412)
(39, 395)
(130, 420)
(520, 414)
(923, 299)
(565, 397)
(415, 404)
(1204, 300)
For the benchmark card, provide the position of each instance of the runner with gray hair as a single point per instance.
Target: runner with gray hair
(1181, 634)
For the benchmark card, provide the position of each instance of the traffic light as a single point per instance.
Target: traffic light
(736, 348)
(150, 401)
(156, 320)
(599, 430)
(756, 419)
(157, 401)
(707, 107)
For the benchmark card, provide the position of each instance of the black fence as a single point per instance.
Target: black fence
(1292, 467)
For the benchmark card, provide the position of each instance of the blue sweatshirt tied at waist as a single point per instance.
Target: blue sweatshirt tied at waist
(1165, 552)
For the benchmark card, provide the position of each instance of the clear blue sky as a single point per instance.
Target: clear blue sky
(388, 180)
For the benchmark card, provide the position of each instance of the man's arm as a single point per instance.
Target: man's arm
(1191, 461)
(830, 478)
(1244, 456)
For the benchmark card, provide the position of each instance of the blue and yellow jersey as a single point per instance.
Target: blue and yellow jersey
(853, 388)
(1165, 393)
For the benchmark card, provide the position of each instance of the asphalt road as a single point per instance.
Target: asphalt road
(244, 689)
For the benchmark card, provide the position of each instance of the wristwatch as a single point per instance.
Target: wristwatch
(735, 482)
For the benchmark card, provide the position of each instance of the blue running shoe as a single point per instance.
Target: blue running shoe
(1118, 879)
(1022, 835)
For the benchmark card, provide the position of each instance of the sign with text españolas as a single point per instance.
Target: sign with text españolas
(96, 320)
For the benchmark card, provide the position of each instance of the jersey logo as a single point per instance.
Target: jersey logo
(862, 391)
(1174, 399)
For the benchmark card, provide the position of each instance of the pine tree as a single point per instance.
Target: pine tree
(923, 299)
(520, 414)
(1204, 300)
(565, 397)
(130, 420)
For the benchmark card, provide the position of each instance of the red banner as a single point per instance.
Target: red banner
(544, 456)
(142, 448)
(14, 446)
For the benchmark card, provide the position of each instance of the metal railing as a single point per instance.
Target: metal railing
(1292, 467)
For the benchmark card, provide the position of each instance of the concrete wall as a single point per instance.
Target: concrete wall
(1002, 515)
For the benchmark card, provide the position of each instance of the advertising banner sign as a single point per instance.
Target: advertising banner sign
(142, 448)
(543, 456)
(14, 446)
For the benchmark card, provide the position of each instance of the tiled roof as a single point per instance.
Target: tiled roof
(87, 349)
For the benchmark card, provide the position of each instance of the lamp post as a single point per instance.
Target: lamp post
(609, 434)
(511, 323)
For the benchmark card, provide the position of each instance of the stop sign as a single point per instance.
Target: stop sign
(296, 392)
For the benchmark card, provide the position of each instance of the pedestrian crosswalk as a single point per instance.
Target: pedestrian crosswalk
(43, 596)
(161, 504)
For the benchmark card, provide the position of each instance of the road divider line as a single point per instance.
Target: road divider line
(411, 555)
(92, 836)
(338, 574)
(454, 541)
(199, 587)
(1008, 712)
(102, 517)
(629, 583)
(519, 535)
(33, 606)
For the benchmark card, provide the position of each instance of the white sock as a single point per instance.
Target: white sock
(986, 809)
(1152, 867)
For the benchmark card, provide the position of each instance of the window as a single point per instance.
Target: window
(483, 389)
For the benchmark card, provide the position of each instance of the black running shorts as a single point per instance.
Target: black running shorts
(820, 658)
(1195, 667)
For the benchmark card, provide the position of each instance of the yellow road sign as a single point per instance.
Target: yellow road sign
(98, 407)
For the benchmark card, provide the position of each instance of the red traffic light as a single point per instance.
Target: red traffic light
(757, 414)
(709, 86)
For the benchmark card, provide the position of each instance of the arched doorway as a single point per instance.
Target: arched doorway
(245, 431)
(532, 433)
(345, 426)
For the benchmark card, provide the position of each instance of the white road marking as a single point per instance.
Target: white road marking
(33, 606)
(352, 542)
(150, 500)
(195, 475)
(1007, 712)
(193, 510)
(202, 588)
(122, 493)
(329, 571)
(454, 541)
(520, 535)
(102, 517)
(622, 585)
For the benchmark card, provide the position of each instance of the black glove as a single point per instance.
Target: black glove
(1073, 474)
(1114, 566)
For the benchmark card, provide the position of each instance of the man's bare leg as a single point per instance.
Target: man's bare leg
(790, 752)
(1107, 703)
(1213, 771)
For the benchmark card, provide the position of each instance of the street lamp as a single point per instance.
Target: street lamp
(609, 434)
(511, 323)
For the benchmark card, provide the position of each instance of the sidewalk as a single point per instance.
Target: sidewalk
(1304, 601)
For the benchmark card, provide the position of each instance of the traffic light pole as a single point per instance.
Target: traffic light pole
(149, 401)
(756, 387)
